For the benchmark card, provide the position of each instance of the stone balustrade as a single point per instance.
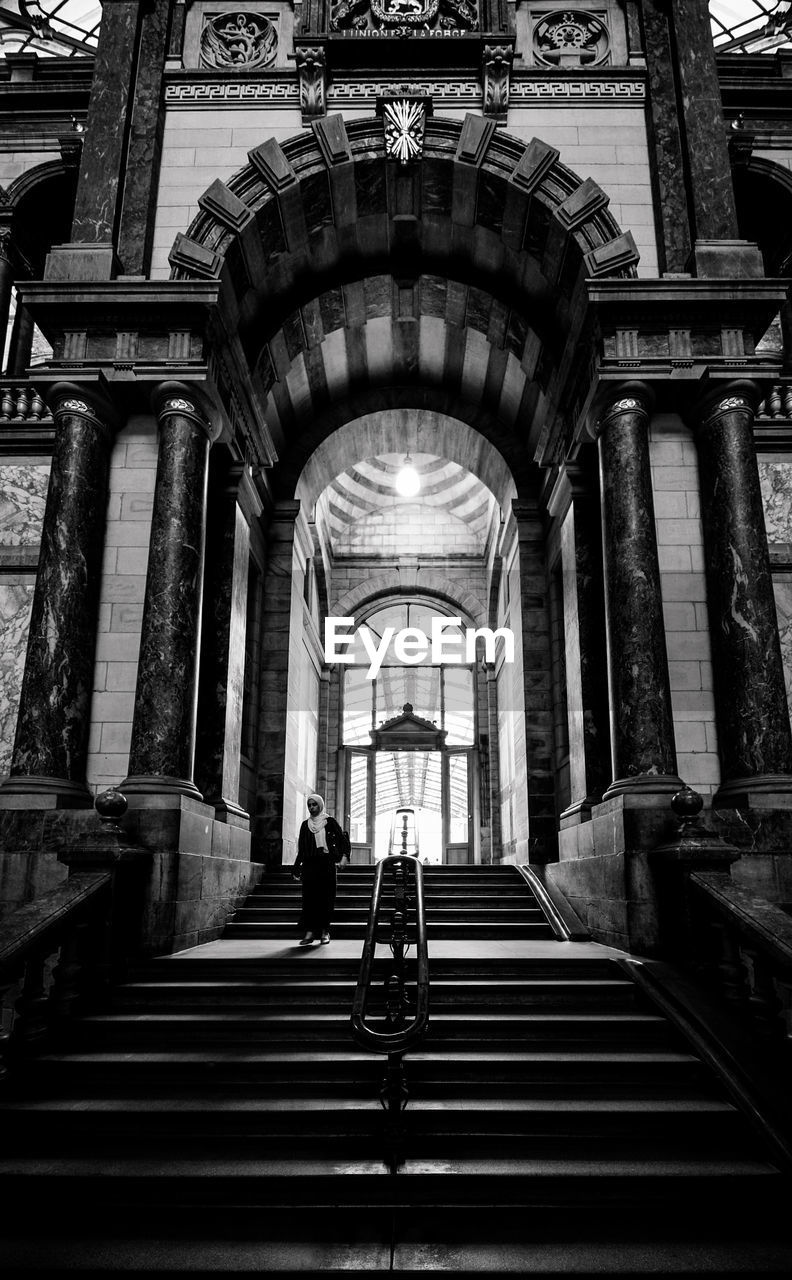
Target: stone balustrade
(20, 402)
(777, 404)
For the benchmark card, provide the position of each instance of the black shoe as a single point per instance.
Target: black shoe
(325, 938)
(307, 940)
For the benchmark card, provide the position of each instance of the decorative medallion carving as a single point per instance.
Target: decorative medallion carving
(238, 42)
(73, 406)
(732, 402)
(570, 38)
(496, 65)
(405, 121)
(178, 406)
(312, 71)
(421, 18)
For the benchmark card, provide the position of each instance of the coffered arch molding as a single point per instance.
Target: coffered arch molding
(395, 430)
(487, 234)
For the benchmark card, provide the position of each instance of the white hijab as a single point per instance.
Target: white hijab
(317, 825)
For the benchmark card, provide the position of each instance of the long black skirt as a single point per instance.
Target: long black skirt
(318, 893)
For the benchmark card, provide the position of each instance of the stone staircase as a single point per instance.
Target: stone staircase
(218, 1118)
(465, 903)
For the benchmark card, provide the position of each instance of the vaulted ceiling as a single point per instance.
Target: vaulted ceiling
(367, 492)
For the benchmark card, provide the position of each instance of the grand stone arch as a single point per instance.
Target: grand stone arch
(453, 287)
(343, 274)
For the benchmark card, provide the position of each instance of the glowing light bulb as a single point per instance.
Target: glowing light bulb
(408, 482)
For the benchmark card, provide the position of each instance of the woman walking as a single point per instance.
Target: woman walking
(320, 845)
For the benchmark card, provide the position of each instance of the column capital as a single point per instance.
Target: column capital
(82, 402)
(172, 399)
(635, 399)
(738, 396)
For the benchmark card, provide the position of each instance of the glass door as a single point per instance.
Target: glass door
(458, 804)
(360, 805)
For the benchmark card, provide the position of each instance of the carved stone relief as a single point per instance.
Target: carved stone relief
(404, 121)
(496, 65)
(238, 41)
(401, 18)
(570, 38)
(312, 71)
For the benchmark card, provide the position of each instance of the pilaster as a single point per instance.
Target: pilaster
(577, 509)
(279, 596)
(221, 687)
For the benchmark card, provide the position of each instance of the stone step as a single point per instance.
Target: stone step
(456, 1068)
(264, 911)
(287, 995)
(464, 930)
(156, 1179)
(409, 1241)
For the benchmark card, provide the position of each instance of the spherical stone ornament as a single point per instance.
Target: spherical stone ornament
(687, 804)
(111, 804)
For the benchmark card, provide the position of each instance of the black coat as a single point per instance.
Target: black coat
(306, 844)
(317, 869)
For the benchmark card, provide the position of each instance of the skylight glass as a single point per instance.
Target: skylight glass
(751, 26)
(50, 28)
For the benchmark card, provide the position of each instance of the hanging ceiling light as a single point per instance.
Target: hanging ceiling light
(408, 482)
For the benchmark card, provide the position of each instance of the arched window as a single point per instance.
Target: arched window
(442, 693)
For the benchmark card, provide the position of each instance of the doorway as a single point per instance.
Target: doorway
(413, 799)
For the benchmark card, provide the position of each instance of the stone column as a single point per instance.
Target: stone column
(642, 727)
(751, 706)
(49, 759)
(163, 725)
(221, 690)
(585, 649)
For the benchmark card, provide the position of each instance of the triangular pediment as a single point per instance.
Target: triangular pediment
(408, 732)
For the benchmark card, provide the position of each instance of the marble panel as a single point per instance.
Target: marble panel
(782, 589)
(776, 482)
(15, 603)
(23, 494)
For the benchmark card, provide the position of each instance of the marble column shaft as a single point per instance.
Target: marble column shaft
(665, 138)
(221, 686)
(141, 170)
(586, 657)
(751, 705)
(642, 727)
(701, 109)
(104, 150)
(163, 727)
(52, 728)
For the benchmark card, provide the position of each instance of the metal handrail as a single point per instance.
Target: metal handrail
(406, 1037)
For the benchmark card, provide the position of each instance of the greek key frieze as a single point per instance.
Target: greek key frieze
(203, 92)
(574, 90)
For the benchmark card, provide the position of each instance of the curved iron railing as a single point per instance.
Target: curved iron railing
(403, 1032)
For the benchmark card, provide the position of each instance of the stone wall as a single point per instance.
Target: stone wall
(131, 493)
(680, 550)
